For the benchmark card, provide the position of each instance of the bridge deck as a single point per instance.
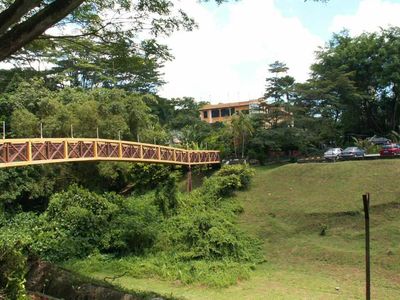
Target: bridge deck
(22, 152)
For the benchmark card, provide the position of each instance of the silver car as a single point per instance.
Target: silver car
(333, 153)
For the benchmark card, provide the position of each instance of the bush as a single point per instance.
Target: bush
(74, 224)
(225, 181)
(12, 271)
(204, 227)
(244, 172)
(135, 228)
(16, 236)
(79, 222)
(208, 234)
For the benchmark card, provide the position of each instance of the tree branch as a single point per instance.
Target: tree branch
(23, 33)
(15, 12)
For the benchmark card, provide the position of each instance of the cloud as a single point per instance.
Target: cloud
(369, 17)
(227, 58)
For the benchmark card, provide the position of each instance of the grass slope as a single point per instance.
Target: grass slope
(288, 207)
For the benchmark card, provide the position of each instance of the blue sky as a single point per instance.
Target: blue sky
(317, 16)
(227, 58)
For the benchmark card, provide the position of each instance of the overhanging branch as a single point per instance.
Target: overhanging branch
(23, 33)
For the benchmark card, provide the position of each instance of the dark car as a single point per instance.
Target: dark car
(390, 150)
(352, 152)
(379, 140)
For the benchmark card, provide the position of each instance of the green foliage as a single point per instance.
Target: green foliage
(242, 127)
(355, 82)
(367, 145)
(208, 234)
(16, 234)
(74, 224)
(78, 223)
(12, 271)
(24, 123)
(25, 186)
(214, 273)
(134, 229)
(111, 111)
(204, 228)
(280, 87)
(226, 181)
(243, 171)
(200, 242)
(166, 196)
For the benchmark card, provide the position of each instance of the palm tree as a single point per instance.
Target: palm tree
(242, 128)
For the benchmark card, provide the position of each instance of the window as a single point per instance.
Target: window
(225, 112)
(215, 113)
(246, 112)
(232, 111)
(205, 114)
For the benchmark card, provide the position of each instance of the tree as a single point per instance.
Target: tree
(356, 82)
(242, 128)
(15, 34)
(25, 21)
(279, 87)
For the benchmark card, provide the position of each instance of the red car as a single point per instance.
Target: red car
(390, 150)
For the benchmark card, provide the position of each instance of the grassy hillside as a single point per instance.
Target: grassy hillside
(310, 219)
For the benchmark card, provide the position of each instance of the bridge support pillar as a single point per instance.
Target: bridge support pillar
(189, 179)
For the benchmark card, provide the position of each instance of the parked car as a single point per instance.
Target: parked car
(333, 153)
(390, 150)
(352, 152)
(379, 140)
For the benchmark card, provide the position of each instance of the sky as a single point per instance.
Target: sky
(226, 59)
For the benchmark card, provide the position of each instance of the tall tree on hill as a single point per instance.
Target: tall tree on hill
(279, 86)
(280, 89)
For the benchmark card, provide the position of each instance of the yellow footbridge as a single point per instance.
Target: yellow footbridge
(24, 152)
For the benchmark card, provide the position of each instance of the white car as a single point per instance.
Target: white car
(333, 153)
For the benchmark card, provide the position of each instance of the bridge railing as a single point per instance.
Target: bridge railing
(15, 152)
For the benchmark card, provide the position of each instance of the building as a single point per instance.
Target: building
(212, 113)
(221, 112)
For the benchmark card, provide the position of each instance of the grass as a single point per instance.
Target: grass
(310, 219)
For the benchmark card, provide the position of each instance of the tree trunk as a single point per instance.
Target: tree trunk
(242, 145)
(234, 147)
(23, 33)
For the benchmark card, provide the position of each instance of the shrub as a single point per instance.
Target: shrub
(208, 234)
(12, 271)
(244, 172)
(134, 229)
(225, 181)
(204, 227)
(166, 196)
(74, 224)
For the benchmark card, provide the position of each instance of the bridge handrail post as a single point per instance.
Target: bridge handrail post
(141, 151)
(120, 149)
(95, 153)
(29, 151)
(65, 149)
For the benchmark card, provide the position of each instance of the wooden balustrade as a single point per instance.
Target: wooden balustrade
(22, 152)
